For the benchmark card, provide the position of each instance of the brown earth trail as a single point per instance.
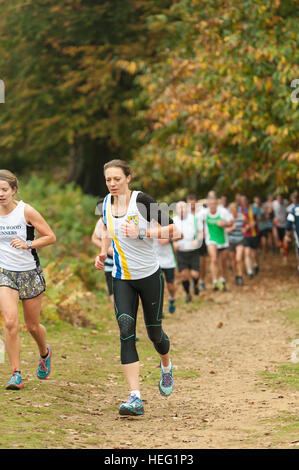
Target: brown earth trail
(229, 339)
(223, 345)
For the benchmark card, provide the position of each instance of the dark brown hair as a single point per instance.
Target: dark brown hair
(119, 164)
(192, 197)
(10, 178)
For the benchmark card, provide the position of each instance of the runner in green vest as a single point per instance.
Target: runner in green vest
(216, 219)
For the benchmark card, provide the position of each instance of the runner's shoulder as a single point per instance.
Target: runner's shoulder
(150, 209)
(30, 212)
(145, 198)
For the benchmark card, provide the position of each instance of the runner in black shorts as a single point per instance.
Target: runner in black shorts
(196, 208)
(166, 258)
(21, 276)
(127, 217)
(187, 251)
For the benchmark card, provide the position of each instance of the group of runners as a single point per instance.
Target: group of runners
(220, 235)
(139, 245)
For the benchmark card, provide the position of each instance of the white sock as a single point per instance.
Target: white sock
(221, 279)
(136, 393)
(171, 299)
(167, 369)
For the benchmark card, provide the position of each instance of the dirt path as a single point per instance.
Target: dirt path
(221, 344)
(229, 340)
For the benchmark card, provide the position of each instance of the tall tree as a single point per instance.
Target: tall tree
(69, 69)
(219, 95)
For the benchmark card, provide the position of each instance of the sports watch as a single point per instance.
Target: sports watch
(29, 244)
(142, 233)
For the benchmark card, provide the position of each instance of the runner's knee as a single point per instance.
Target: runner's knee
(154, 334)
(32, 327)
(11, 323)
(126, 325)
(159, 339)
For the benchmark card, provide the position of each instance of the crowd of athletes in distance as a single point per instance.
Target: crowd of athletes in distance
(227, 238)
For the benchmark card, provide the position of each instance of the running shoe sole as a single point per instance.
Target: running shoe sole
(14, 387)
(123, 411)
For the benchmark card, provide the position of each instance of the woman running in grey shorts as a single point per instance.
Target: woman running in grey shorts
(21, 276)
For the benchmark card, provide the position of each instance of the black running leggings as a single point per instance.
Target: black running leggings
(126, 300)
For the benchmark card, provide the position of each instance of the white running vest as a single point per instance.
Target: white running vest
(14, 225)
(133, 258)
(165, 255)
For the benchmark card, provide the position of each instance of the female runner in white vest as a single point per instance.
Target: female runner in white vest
(127, 217)
(21, 276)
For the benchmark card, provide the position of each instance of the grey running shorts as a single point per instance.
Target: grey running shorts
(29, 284)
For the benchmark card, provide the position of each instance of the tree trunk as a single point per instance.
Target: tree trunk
(87, 160)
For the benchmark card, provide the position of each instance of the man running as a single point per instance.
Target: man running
(280, 217)
(187, 248)
(196, 207)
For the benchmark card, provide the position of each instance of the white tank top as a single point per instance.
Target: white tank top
(133, 258)
(165, 255)
(14, 225)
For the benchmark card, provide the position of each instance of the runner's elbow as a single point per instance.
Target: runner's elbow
(53, 239)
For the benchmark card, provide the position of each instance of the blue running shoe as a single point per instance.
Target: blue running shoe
(16, 382)
(133, 407)
(166, 383)
(171, 306)
(44, 367)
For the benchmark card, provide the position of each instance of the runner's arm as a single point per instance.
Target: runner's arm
(231, 228)
(106, 241)
(96, 237)
(168, 231)
(34, 218)
(226, 219)
(151, 211)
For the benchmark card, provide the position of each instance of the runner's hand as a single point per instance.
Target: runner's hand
(18, 244)
(110, 251)
(221, 223)
(129, 229)
(100, 261)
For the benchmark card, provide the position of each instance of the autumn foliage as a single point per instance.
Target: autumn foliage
(196, 93)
